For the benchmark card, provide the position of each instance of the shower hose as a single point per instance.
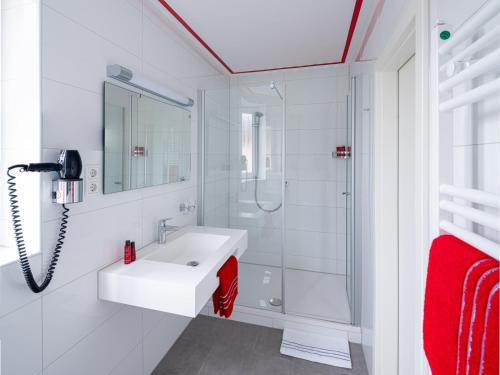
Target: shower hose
(19, 237)
(257, 199)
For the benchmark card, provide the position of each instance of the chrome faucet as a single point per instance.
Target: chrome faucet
(164, 229)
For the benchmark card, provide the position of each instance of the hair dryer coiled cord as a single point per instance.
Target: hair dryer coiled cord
(19, 237)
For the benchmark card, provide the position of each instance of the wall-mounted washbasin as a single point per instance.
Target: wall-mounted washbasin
(190, 249)
(177, 277)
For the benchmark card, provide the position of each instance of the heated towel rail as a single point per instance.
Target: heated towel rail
(467, 83)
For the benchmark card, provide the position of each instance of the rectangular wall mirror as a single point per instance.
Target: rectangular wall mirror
(147, 141)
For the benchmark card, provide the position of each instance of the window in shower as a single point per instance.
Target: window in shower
(247, 153)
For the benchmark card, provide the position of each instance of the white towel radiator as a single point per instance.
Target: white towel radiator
(465, 77)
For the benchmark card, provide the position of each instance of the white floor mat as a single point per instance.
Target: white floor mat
(316, 347)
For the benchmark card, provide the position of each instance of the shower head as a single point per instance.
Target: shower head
(256, 118)
(274, 87)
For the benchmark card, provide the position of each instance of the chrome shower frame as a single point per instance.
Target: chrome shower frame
(256, 122)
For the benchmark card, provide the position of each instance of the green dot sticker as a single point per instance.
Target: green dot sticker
(444, 35)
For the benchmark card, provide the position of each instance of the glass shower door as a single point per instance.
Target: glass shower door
(256, 191)
(316, 203)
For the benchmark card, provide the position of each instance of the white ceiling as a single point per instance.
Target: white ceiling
(270, 34)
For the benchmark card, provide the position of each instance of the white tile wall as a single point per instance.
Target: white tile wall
(131, 363)
(217, 132)
(67, 329)
(101, 350)
(21, 336)
(70, 313)
(315, 211)
(158, 340)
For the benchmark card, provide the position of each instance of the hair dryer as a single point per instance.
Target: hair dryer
(68, 188)
(69, 165)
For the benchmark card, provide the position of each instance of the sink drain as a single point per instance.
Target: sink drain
(192, 263)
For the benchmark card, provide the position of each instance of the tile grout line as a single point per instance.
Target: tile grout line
(85, 336)
(140, 199)
(90, 30)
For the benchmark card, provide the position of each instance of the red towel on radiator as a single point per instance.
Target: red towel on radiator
(460, 335)
(225, 295)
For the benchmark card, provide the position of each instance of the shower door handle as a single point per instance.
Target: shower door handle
(346, 193)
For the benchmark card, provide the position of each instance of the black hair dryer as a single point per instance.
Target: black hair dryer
(68, 188)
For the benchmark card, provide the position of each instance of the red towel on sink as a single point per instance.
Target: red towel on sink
(460, 299)
(225, 295)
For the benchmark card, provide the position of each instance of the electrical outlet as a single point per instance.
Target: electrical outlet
(92, 178)
(92, 187)
(92, 172)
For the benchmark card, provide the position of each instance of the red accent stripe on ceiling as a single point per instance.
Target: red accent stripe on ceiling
(371, 26)
(350, 33)
(352, 27)
(288, 67)
(193, 33)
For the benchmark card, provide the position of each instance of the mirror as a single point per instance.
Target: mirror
(147, 141)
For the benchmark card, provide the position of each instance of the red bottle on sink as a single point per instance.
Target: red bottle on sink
(127, 253)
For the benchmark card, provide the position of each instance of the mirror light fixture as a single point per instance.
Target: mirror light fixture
(126, 75)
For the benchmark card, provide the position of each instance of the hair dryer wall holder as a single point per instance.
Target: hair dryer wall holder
(67, 191)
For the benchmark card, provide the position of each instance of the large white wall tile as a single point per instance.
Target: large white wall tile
(160, 44)
(131, 363)
(158, 341)
(312, 193)
(313, 244)
(310, 91)
(100, 352)
(71, 117)
(312, 218)
(312, 116)
(314, 167)
(162, 207)
(21, 337)
(119, 21)
(166, 77)
(151, 319)
(14, 292)
(77, 56)
(70, 313)
(94, 240)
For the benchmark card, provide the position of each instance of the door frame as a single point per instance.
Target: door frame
(411, 36)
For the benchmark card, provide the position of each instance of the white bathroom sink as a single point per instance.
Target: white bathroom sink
(177, 277)
(190, 249)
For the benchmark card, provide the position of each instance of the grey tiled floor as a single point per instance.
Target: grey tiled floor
(211, 346)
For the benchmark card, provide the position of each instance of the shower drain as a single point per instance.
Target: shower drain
(275, 301)
(192, 263)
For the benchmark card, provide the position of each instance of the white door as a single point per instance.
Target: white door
(406, 218)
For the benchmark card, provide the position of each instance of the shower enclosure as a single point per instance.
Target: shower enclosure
(269, 165)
